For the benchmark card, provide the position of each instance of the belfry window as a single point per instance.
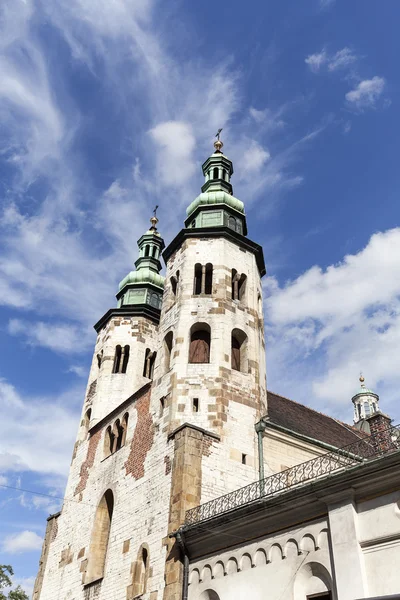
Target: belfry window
(203, 276)
(147, 250)
(121, 359)
(100, 537)
(150, 359)
(200, 342)
(239, 351)
(215, 173)
(238, 285)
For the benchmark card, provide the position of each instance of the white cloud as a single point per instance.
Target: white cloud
(255, 157)
(176, 142)
(342, 59)
(367, 93)
(315, 61)
(25, 541)
(78, 370)
(39, 446)
(343, 319)
(68, 339)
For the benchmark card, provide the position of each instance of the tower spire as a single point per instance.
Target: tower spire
(145, 285)
(216, 206)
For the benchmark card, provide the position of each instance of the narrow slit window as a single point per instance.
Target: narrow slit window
(195, 405)
(168, 343)
(244, 459)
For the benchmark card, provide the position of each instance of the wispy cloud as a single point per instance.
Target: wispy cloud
(39, 446)
(67, 339)
(342, 59)
(367, 93)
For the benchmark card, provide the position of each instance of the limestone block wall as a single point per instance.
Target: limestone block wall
(290, 564)
(106, 389)
(139, 476)
(282, 451)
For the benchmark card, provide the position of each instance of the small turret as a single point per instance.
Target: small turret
(145, 285)
(216, 206)
(366, 402)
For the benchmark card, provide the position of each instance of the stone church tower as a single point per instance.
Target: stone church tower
(176, 386)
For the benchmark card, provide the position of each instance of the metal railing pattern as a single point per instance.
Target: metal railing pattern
(358, 452)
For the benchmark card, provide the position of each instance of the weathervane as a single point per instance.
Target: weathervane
(154, 219)
(218, 144)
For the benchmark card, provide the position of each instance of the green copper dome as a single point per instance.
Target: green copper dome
(144, 275)
(217, 197)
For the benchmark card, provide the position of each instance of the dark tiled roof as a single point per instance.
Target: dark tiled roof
(311, 423)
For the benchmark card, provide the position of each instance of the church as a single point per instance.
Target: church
(188, 479)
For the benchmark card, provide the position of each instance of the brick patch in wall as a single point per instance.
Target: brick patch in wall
(142, 440)
(88, 463)
(167, 462)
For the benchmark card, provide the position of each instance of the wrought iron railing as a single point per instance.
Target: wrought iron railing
(360, 451)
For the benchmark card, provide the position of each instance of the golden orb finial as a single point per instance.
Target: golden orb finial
(361, 379)
(154, 219)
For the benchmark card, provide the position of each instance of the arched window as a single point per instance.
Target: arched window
(239, 351)
(124, 358)
(87, 417)
(147, 250)
(117, 431)
(203, 275)
(149, 360)
(215, 173)
(259, 302)
(197, 279)
(154, 251)
(99, 358)
(174, 283)
(238, 285)
(168, 342)
(117, 359)
(200, 342)
(208, 279)
(232, 223)
(140, 572)
(108, 442)
(124, 427)
(99, 539)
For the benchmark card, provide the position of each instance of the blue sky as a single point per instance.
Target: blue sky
(108, 108)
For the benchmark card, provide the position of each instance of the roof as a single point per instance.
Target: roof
(311, 423)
